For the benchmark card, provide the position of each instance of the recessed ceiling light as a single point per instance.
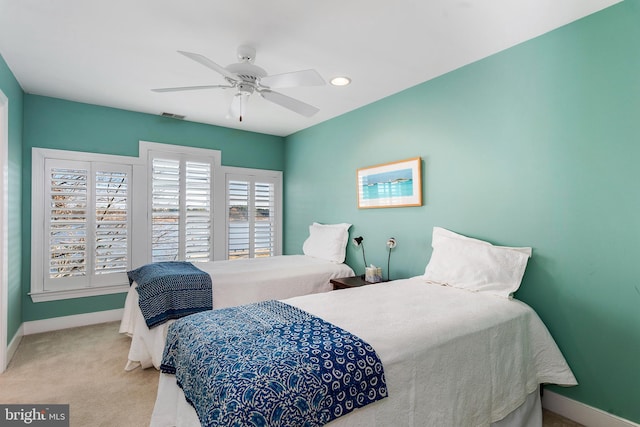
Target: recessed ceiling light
(340, 81)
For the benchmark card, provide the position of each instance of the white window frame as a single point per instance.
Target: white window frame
(118, 283)
(140, 209)
(253, 176)
(149, 150)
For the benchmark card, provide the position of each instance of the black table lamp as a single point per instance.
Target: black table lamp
(357, 241)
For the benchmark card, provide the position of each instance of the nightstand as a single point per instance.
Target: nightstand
(348, 282)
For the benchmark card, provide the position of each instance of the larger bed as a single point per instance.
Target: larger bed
(456, 348)
(235, 282)
(451, 357)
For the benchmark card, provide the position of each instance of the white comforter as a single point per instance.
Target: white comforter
(451, 357)
(235, 282)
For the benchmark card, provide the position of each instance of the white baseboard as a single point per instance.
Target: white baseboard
(13, 345)
(581, 413)
(65, 322)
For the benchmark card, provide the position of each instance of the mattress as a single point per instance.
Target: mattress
(452, 357)
(235, 282)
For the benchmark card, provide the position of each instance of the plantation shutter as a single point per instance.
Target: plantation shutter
(198, 212)
(265, 221)
(67, 196)
(165, 212)
(181, 218)
(86, 223)
(251, 217)
(111, 221)
(239, 226)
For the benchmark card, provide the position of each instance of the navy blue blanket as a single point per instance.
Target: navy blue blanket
(270, 364)
(171, 290)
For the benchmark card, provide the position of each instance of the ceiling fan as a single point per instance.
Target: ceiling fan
(248, 78)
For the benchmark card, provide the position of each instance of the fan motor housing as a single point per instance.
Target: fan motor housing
(247, 72)
(246, 88)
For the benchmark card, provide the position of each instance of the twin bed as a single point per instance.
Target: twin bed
(244, 281)
(451, 357)
(235, 282)
(453, 348)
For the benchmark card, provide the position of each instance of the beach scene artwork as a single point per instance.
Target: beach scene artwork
(390, 185)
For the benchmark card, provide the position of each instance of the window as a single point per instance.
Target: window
(81, 226)
(96, 216)
(202, 211)
(181, 213)
(253, 219)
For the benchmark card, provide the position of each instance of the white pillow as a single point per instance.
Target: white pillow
(439, 231)
(475, 265)
(327, 241)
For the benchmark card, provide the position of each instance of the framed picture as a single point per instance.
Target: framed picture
(391, 185)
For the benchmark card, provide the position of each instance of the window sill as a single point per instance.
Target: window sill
(45, 296)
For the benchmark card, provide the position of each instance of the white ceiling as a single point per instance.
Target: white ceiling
(112, 53)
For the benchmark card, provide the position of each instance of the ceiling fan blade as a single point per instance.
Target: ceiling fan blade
(290, 103)
(178, 89)
(210, 64)
(293, 79)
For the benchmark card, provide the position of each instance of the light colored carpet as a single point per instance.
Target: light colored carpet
(84, 367)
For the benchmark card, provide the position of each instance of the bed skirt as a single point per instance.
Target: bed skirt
(172, 409)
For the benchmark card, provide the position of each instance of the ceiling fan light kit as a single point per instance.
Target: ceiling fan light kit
(247, 78)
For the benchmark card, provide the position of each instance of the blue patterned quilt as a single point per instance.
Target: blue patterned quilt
(270, 364)
(171, 290)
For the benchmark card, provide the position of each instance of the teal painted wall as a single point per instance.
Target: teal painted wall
(11, 89)
(535, 146)
(66, 125)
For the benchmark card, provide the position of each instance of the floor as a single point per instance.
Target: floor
(551, 419)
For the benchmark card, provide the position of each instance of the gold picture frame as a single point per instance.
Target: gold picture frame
(390, 185)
